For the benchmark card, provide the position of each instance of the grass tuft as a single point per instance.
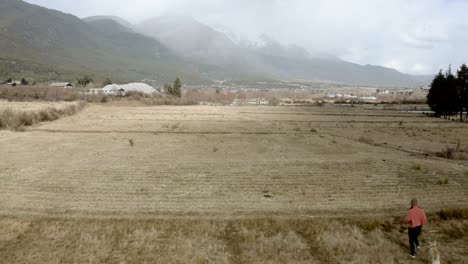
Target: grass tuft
(371, 224)
(453, 213)
(443, 181)
(366, 140)
(454, 153)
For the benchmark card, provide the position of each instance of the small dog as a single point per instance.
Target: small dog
(435, 254)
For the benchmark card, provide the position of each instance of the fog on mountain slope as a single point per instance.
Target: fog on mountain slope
(173, 46)
(200, 43)
(119, 20)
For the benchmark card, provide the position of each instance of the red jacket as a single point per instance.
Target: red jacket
(416, 217)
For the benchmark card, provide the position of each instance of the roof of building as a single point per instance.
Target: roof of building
(61, 84)
(131, 87)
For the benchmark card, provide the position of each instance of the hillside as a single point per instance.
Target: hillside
(50, 45)
(119, 20)
(199, 43)
(215, 55)
(44, 44)
(190, 38)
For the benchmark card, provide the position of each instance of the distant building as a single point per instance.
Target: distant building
(14, 83)
(396, 92)
(258, 101)
(426, 89)
(368, 98)
(383, 91)
(62, 84)
(123, 89)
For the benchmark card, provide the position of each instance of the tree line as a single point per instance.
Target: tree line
(448, 94)
(23, 81)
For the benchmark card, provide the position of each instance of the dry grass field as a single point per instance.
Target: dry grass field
(16, 116)
(33, 106)
(204, 184)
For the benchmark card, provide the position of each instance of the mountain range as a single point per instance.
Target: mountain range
(47, 44)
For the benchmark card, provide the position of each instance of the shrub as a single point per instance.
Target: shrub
(49, 114)
(453, 153)
(26, 118)
(17, 120)
(10, 120)
(104, 99)
(366, 140)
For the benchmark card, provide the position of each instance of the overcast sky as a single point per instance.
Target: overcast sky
(413, 36)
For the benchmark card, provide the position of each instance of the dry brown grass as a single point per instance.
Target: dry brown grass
(158, 99)
(260, 240)
(283, 247)
(16, 120)
(454, 213)
(366, 140)
(49, 94)
(454, 153)
(443, 181)
(42, 93)
(350, 244)
(174, 160)
(268, 195)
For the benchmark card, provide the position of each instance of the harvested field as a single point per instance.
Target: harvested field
(196, 178)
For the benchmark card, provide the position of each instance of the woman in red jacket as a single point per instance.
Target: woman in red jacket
(416, 219)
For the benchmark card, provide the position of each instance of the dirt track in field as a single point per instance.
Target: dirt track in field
(230, 161)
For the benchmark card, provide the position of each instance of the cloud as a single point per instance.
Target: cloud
(417, 36)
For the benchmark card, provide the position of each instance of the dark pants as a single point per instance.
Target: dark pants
(413, 234)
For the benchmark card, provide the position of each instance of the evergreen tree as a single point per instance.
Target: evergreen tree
(24, 81)
(436, 94)
(462, 80)
(177, 88)
(107, 81)
(444, 96)
(85, 80)
(167, 89)
(451, 99)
